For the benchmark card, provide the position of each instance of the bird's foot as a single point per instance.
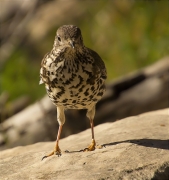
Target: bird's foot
(56, 151)
(91, 147)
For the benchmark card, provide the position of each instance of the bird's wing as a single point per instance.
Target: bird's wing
(42, 69)
(99, 66)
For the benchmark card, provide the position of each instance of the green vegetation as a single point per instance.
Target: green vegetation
(128, 36)
(21, 76)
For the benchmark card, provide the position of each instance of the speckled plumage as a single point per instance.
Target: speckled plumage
(74, 75)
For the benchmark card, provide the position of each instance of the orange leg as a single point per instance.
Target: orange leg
(93, 143)
(56, 150)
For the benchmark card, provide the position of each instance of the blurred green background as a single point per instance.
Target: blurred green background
(127, 34)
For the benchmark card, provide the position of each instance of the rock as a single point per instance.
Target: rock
(136, 148)
(29, 126)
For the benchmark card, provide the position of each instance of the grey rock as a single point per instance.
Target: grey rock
(136, 148)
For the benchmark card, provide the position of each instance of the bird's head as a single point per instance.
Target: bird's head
(68, 36)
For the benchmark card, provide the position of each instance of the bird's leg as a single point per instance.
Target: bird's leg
(93, 143)
(61, 120)
(56, 150)
(90, 114)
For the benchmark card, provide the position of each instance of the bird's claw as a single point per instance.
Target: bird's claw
(56, 151)
(100, 146)
(44, 157)
(66, 151)
(91, 146)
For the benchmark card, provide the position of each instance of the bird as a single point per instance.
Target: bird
(74, 77)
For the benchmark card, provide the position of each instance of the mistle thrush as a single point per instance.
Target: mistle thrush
(74, 78)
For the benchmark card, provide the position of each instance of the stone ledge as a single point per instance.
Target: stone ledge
(136, 148)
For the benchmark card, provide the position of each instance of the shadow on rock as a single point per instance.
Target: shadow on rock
(154, 143)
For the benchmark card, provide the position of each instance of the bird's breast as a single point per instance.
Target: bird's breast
(72, 83)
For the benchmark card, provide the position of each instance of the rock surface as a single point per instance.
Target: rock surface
(136, 148)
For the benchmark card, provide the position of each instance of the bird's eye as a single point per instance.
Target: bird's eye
(59, 39)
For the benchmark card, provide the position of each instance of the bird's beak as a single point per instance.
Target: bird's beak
(72, 44)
